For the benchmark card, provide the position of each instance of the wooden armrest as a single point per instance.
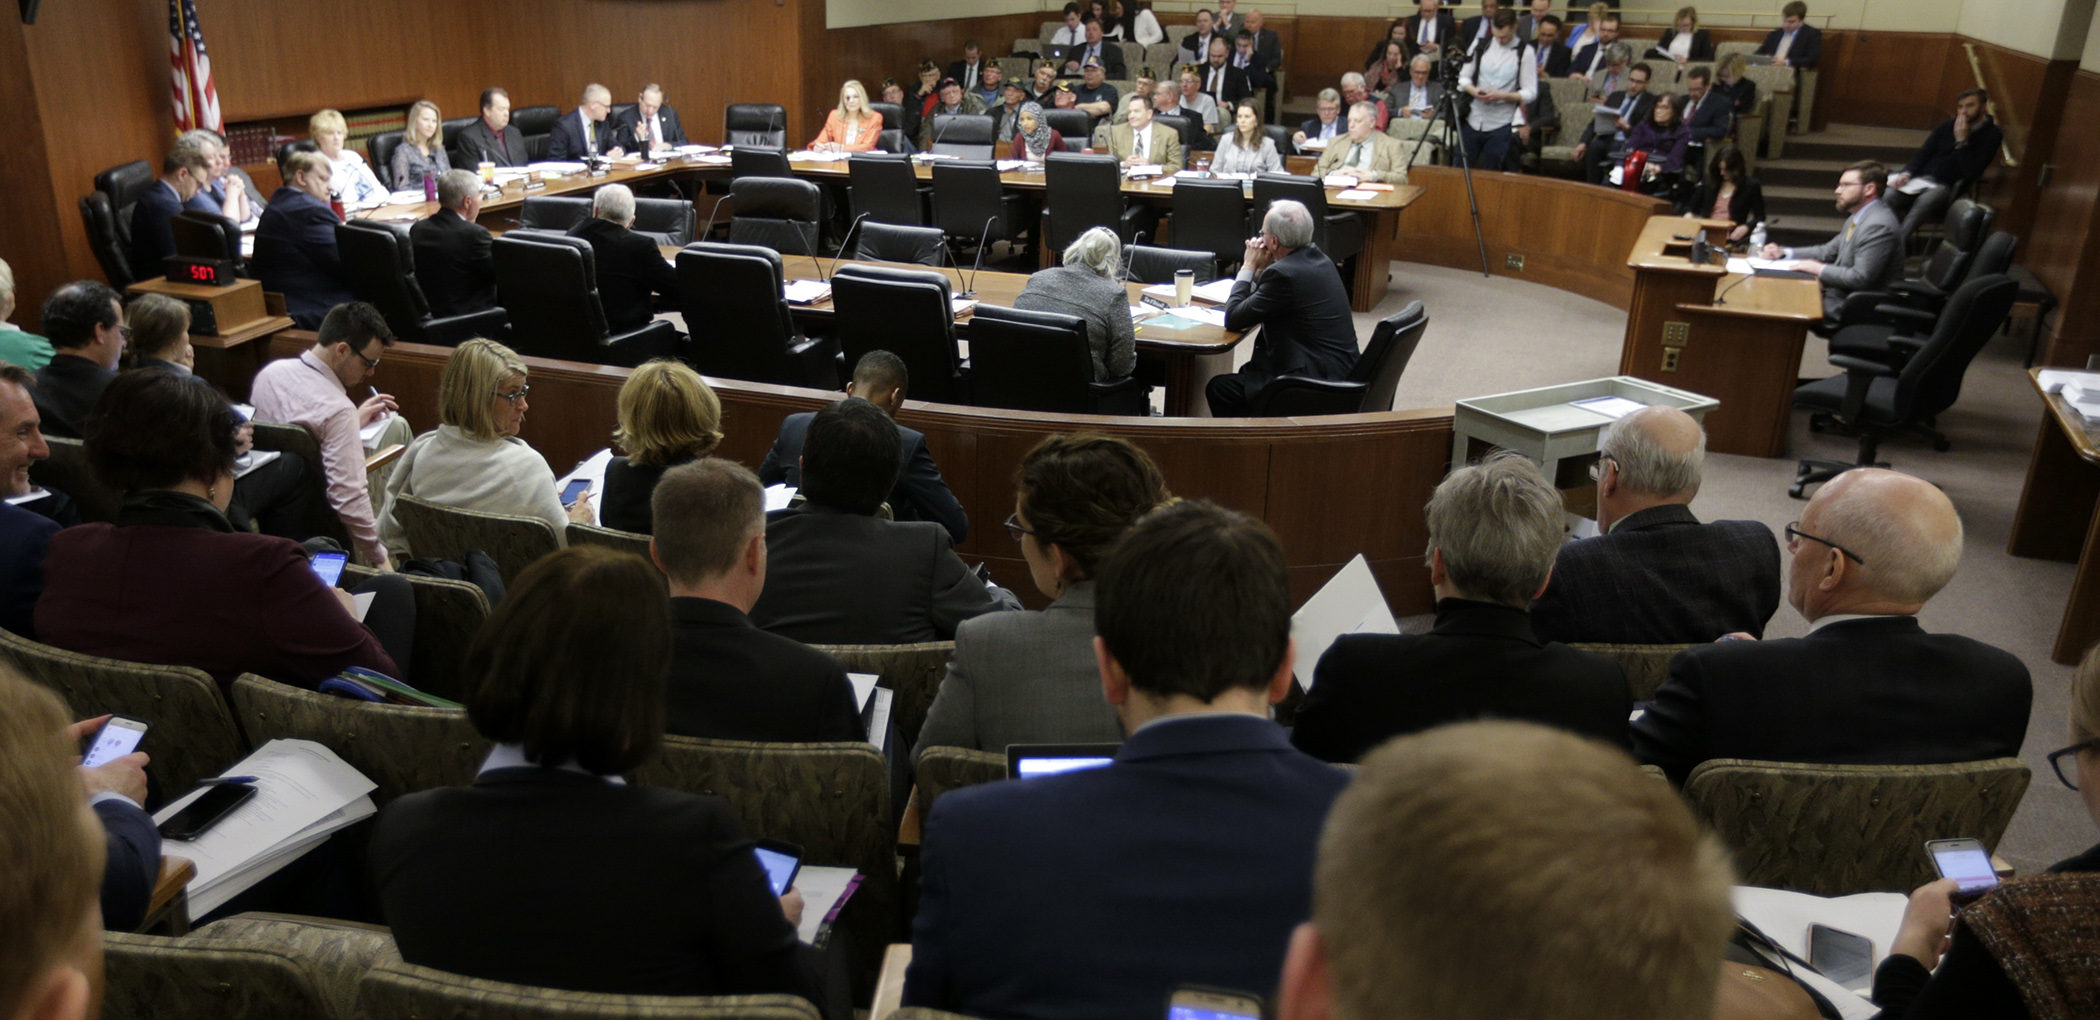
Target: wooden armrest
(912, 826)
(175, 876)
(889, 985)
(385, 457)
(2002, 869)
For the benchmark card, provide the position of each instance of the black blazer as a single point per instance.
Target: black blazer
(133, 852)
(454, 264)
(921, 494)
(835, 578)
(1557, 58)
(1306, 326)
(1234, 88)
(152, 237)
(565, 141)
(1806, 51)
(731, 681)
(1714, 118)
(1662, 578)
(623, 128)
(628, 488)
(476, 144)
(1743, 95)
(1580, 62)
(1643, 111)
(1747, 205)
(25, 536)
(557, 878)
(1481, 660)
(66, 390)
(630, 269)
(1188, 860)
(1702, 45)
(1446, 34)
(960, 70)
(1876, 691)
(295, 255)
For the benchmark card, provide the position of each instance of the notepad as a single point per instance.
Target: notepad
(806, 292)
(1610, 407)
(304, 793)
(1355, 195)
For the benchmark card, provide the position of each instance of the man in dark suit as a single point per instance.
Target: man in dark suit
(1552, 55)
(295, 252)
(1635, 105)
(1251, 63)
(838, 574)
(24, 534)
(1430, 30)
(84, 320)
(1593, 57)
(880, 378)
(1655, 575)
(651, 127)
(182, 175)
(630, 268)
(1267, 44)
(1195, 47)
(1493, 530)
(1795, 43)
(969, 71)
(583, 133)
(1867, 254)
(1096, 48)
(1868, 685)
(492, 139)
(1186, 860)
(1955, 153)
(453, 253)
(1480, 27)
(1709, 114)
(1289, 288)
(1529, 20)
(1222, 81)
(729, 680)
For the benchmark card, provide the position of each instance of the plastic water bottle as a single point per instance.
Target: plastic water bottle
(430, 187)
(1757, 237)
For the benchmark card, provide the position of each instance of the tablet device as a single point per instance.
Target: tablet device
(1034, 761)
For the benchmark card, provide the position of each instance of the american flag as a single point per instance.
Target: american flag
(196, 94)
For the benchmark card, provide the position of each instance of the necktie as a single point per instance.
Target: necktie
(1428, 30)
(1848, 232)
(1355, 149)
(1141, 137)
(590, 137)
(1689, 109)
(1217, 80)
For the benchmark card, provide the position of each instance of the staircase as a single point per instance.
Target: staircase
(1799, 190)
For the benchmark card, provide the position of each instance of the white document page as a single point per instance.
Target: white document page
(1610, 407)
(298, 783)
(251, 460)
(863, 687)
(821, 890)
(778, 497)
(805, 292)
(369, 435)
(1350, 603)
(1786, 916)
(1355, 195)
(879, 718)
(1207, 316)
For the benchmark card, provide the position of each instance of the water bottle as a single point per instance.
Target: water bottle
(430, 187)
(1757, 237)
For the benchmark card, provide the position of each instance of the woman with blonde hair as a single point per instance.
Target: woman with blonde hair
(668, 416)
(474, 459)
(1687, 41)
(853, 127)
(422, 150)
(1586, 32)
(353, 181)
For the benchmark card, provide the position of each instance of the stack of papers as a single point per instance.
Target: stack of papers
(1217, 291)
(304, 793)
(874, 705)
(591, 469)
(1144, 170)
(806, 292)
(1610, 407)
(1786, 916)
(1355, 195)
(1010, 165)
(557, 167)
(824, 891)
(409, 197)
(693, 150)
(369, 435)
(1349, 604)
(779, 497)
(713, 159)
(804, 156)
(2062, 380)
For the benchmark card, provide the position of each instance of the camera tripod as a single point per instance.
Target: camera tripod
(1447, 111)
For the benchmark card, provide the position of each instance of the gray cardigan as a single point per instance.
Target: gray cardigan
(1104, 304)
(1023, 678)
(411, 166)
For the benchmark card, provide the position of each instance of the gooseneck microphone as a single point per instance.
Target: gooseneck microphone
(984, 240)
(843, 242)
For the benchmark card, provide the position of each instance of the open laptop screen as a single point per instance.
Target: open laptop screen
(1033, 761)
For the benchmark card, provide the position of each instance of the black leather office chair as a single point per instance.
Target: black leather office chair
(1210, 217)
(1146, 264)
(905, 312)
(892, 141)
(890, 242)
(1075, 125)
(1929, 207)
(892, 115)
(1185, 126)
(618, 111)
(381, 262)
(1083, 191)
(883, 188)
(762, 124)
(1281, 135)
(1370, 384)
(549, 286)
(1912, 306)
(1878, 399)
(665, 220)
(106, 213)
(450, 132)
(1340, 235)
(379, 149)
(203, 235)
(758, 161)
(777, 212)
(962, 135)
(970, 203)
(741, 327)
(1039, 361)
(553, 213)
(535, 123)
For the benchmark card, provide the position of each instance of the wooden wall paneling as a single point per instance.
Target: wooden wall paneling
(2029, 93)
(1889, 78)
(2064, 251)
(870, 54)
(29, 226)
(1328, 48)
(1572, 235)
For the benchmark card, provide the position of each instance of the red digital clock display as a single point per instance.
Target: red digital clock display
(204, 274)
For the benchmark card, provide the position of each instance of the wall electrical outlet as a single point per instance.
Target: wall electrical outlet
(1513, 261)
(1670, 358)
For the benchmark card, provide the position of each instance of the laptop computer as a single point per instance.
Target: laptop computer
(1034, 761)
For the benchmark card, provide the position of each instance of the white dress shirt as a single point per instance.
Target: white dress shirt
(1503, 69)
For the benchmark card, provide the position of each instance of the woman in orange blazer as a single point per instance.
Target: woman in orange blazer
(853, 127)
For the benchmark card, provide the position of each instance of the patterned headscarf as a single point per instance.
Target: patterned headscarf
(1038, 140)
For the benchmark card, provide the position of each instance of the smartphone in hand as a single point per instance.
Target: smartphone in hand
(117, 737)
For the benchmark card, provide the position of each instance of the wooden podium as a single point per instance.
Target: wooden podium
(1744, 349)
(2056, 520)
(225, 325)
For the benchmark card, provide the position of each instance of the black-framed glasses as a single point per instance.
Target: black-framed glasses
(515, 395)
(371, 364)
(2056, 761)
(1794, 535)
(1014, 528)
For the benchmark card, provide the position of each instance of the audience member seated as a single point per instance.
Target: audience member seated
(1534, 120)
(1354, 91)
(1417, 97)
(651, 127)
(474, 459)
(2023, 943)
(1665, 140)
(1366, 152)
(1431, 29)
(295, 252)
(455, 260)
(1044, 84)
(1395, 32)
(1099, 49)
(1197, 103)
(1731, 79)
(228, 190)
(1867, 685)
(1730, 193)
(1074, 30)
(1795, 43)
(1595, 54)
(1144, 85)
(1655, 575)
(1094, 94)
(920, 102)
(172, 582)
(160, 335)
(729, 680)
(1195, 47)
(25, 535)
(991, 88)
(583, 133)
(853, 127)
(85, 320)
(18, 347)
(1034, 139)
(949, 100)
(668, 416)
(1501, 82)
(1186, 860)
(1006, 114)
(1246, 149)
(1477, 29)
(1089, 284)
(313, 391)
(491, 139)
(1590, 27)
(1250, 63)
(1609, 899)
(1867, 254)
(970, 69)
(1550, 57)
(1288, 287)
(1326, 125)
(1223, 83)
(631, 269)
(182, 175)
(1031, 678)
(422, 150)
(1635, 105)
(352, 181)
(1684, 42)
(1709, 115)
(1140, 26)
(116, 791)
(1390, 73)
(839, 575)
(52, 957)
(1493, 530)
(1956, 153)
(549, 869)
(919, 494)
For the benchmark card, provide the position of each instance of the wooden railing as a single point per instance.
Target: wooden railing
(2001, 108)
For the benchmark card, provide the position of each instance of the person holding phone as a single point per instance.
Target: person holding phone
(113, 772)
(2026, 941)
(50, 930)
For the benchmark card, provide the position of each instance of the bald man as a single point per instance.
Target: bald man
(1868, 685)
(1656, 575)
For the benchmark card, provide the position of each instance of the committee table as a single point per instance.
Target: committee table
(2056, 519)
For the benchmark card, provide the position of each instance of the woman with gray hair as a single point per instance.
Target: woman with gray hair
(1089, 285)
(1037, 139)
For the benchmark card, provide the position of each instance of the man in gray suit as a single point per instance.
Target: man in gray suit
(1867, 254)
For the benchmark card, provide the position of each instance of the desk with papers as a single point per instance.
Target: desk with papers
(2056, 519)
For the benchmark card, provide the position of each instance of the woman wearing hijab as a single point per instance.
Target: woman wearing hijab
(1036, 140)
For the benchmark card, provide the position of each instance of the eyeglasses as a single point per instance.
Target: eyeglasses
(1794, 535)
(515, 395)
(1014, 528)
(1597, 469)
(2056, 760)
(124, 331)
(371, 364)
